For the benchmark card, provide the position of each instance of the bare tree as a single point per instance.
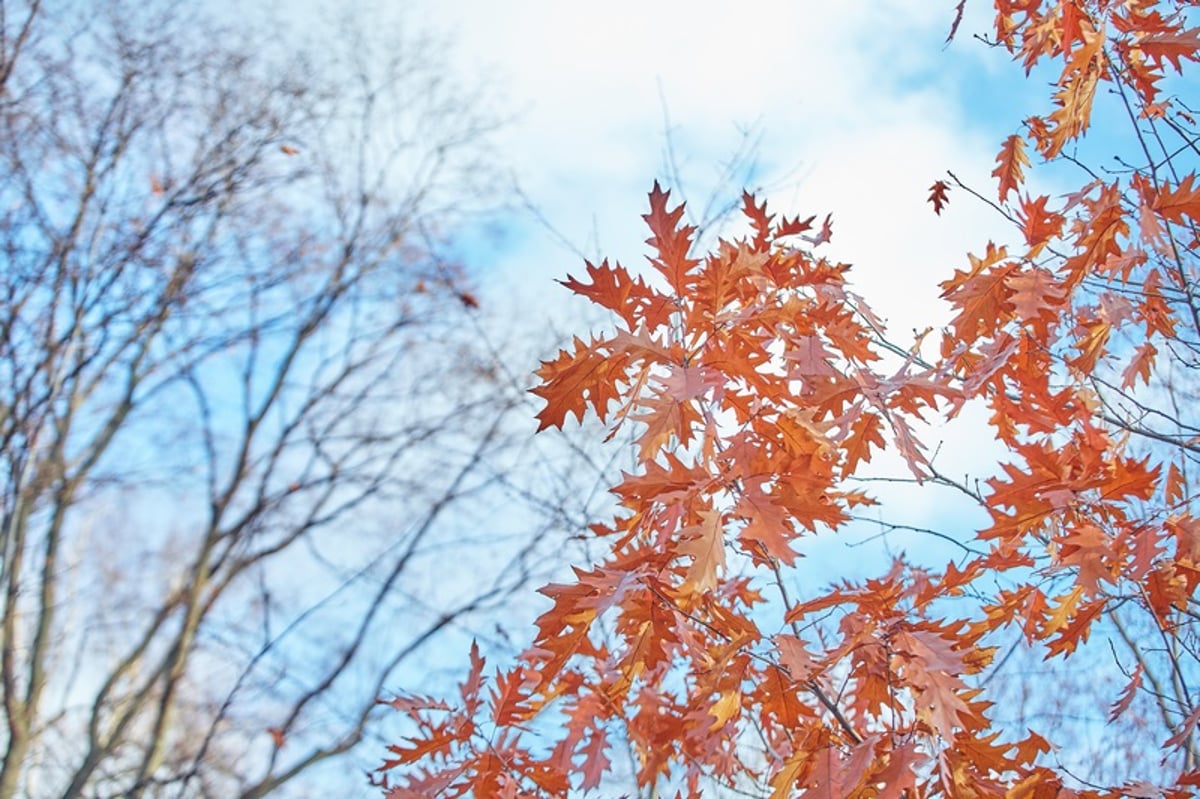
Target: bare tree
(249, 436)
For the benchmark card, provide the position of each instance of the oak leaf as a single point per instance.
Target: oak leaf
(1010, 165)
(705, 543)
(671, 241)
(938, 194)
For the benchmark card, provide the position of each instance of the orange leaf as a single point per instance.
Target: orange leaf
(611, 287)
(1036, 296)
(576, 379)
(1067, 603)
(705, 543)
(1173, 47)
(1174, 204)
(980, 294)
(865, 433)
(1176, 485)
(786, 778)
(1140, 365)
(794, 657)
(1009, 165)
(1039, 224)
(671, 240)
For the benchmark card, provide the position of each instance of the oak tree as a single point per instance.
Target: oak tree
(760, 386)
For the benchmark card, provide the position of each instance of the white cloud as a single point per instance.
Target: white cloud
(860, 95)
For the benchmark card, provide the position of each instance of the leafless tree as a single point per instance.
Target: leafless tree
(254, 452)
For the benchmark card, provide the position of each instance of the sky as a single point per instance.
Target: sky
(857, 108)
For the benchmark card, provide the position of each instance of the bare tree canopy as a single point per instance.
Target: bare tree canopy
(245, 418)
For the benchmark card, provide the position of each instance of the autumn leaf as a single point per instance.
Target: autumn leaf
(794, 657)
(576, 379)
(667, 421)
(785, 779)
(1176, 487)
(1063, 611)
(611, 287)
(1037, 297)
(866, 433)
(724, 709)
(981, 294)
(595, 759)
(705, 544)
(958, 18)
(824, 236)
(1010, 165)
(1173, 47)
(1174, 204)
(1092, 345)
(1185, 730)
(1128, 693)
(939, 190)
(671, 240)
(1140, 365)
(1039, 224)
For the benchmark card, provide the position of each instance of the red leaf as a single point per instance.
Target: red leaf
(705, 543)
(595, 759)
(958, 18)
(939, 190)
(1185, 730)
(1127, 695)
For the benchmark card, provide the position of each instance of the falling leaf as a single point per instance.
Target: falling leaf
(939, 190)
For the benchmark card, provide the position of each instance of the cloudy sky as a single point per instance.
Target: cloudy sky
(856, 107)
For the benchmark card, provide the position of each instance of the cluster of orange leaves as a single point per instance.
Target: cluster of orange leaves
(757, 386)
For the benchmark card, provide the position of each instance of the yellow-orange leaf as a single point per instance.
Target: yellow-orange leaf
(705, 543)
(1010, 165)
